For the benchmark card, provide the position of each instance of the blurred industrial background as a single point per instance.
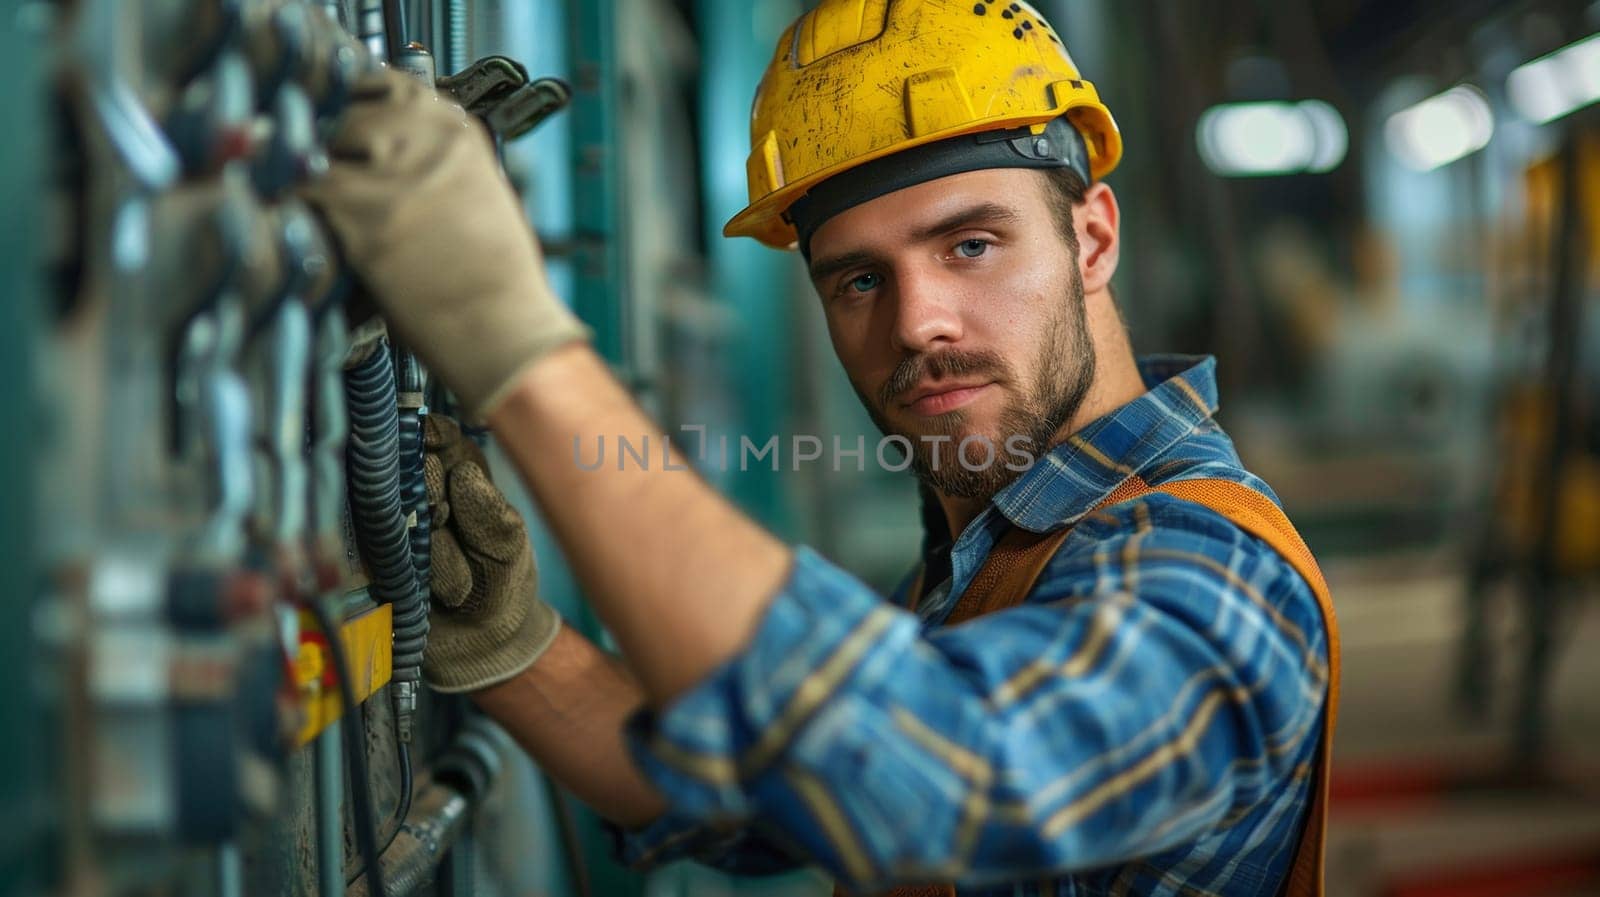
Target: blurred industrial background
(1383, 217)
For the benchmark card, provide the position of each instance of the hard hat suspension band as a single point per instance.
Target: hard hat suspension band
(1060, 145)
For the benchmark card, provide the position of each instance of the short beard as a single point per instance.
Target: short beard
(1028, 426)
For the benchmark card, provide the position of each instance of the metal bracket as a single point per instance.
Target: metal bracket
(368, 647)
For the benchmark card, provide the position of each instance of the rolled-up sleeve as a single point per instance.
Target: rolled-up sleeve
(1153, 686)
(703, 751)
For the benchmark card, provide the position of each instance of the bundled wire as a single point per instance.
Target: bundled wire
(414, 495)
(414, 492)
(378, 508)
(380, 500)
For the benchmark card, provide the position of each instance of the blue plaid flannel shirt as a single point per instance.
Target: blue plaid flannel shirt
(1146, 722)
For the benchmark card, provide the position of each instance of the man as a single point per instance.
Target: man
(1135, 699)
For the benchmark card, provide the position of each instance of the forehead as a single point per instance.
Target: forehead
(897, 218)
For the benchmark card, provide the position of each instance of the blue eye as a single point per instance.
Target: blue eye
(972, 249)
(865, 283)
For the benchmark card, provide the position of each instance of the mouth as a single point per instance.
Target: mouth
(940, 398)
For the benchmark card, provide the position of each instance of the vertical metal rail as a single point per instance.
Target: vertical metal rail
(394, 28)
(1542, 582)
(380, 24)
(600, 255)
(600, 275)
(23, 854)
(329, 798)
(599, 281)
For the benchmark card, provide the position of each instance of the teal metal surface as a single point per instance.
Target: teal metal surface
(599, 256)
(736, 39)
(586, 214)
(24, 841)
(598, 292)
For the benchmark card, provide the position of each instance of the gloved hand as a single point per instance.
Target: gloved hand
(487, 623)
(424, 215)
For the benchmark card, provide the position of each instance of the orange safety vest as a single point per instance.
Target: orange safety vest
(1010, 570)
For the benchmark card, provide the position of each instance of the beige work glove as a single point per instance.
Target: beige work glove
(426, 218)
(487, 623)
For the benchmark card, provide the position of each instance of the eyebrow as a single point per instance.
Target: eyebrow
(981, 213)
(825, 268)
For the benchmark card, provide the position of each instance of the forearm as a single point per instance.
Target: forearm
(677, 574)
(567, 711)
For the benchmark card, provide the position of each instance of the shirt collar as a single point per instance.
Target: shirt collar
(1080, 472)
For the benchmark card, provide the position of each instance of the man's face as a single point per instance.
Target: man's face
(957, 309)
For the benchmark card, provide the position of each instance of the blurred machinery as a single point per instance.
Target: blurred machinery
(1542, 535)
(230, 511)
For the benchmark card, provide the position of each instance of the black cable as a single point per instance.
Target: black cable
(414, 493)
(403, 808)
(354, 731)
(394, 29)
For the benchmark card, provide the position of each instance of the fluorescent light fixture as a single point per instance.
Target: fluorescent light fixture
(1333, 140)
(1260, 139)
(1562, 82)
(1441, 129)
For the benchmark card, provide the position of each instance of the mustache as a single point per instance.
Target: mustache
(938, 366)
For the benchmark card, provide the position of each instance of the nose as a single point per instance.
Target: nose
(926, 312)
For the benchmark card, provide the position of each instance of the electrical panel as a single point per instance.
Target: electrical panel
(237, 545)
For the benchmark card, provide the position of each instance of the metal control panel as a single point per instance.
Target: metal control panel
(236, 553)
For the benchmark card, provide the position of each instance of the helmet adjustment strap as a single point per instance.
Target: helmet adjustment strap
(1059, 145)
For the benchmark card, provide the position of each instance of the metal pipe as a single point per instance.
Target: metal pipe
(394, 27)
(370, 29)
(330, 818)
(415, 59)
(459, 35)
(463, 774)
(439, 816)
(230, 870)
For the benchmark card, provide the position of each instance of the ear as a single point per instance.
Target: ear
(1097, 222)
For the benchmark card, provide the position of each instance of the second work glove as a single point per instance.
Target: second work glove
(487, 623)
(424, 215)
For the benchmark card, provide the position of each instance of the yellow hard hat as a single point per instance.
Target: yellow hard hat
(855, 81)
